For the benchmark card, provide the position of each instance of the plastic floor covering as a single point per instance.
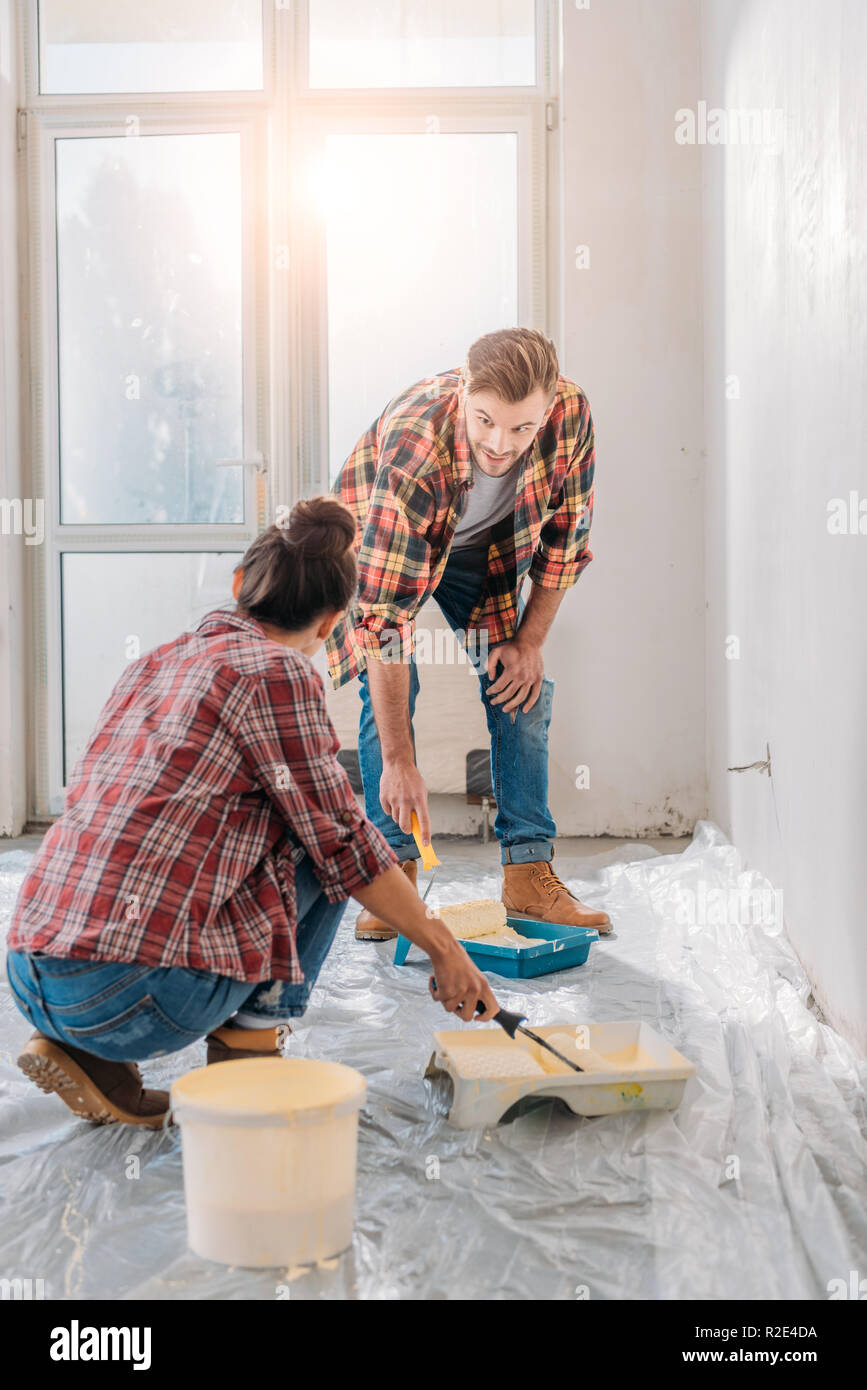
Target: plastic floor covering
(753, 1189)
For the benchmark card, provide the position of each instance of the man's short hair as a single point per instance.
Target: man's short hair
(513, 363)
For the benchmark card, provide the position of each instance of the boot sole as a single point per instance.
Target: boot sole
(603, 928)
(373, 935)
(55, 1073)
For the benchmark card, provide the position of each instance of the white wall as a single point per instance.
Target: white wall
(627, 650)
(786, 313)
(12, 610)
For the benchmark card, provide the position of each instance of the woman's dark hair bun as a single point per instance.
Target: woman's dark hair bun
(320, 526)
(301, 567)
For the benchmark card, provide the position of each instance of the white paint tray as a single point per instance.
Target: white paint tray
(647, 1073)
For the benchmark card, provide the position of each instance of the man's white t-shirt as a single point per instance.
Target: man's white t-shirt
(488, 501)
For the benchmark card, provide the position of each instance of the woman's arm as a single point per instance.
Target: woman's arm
(392, 898)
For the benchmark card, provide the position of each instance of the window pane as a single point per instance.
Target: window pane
(413, 43)
(116, 608)
(412, 281)
(149, 309)
(163, 46)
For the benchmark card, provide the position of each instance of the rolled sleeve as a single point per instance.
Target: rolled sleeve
(563, 551)
(291, 748)
(385, 640)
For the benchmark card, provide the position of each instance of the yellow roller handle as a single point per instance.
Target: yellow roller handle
(428, 858)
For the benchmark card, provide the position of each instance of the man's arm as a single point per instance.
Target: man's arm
(401, 788)
(522, 667)
(394, 565)
(561, 556)
(563, 552)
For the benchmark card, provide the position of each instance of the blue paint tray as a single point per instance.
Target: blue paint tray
(561, 949)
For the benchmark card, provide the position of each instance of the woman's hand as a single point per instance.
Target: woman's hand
(392, 898)
(461, 987)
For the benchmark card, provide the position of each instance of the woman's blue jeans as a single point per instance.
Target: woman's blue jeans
(129, 1012)
(519, 742)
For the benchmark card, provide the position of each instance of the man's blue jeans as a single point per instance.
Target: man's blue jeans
(129, 1012)
(519, 742)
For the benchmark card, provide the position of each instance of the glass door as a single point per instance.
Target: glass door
(154, 461)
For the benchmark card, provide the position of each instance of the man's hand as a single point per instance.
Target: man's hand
(460, 986)
(520, 679)
(402, 790)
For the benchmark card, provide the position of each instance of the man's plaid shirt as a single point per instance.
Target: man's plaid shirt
(212, 767)
(407, 481)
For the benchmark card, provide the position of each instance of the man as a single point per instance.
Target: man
(468, 483)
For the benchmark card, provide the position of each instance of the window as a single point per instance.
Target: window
(306, 207)
(414, 43)
(92, 46)
(149, 323)
(105, 623)
(426, 293)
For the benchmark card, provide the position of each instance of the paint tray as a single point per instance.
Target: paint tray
(648, 1074)
(561, 949)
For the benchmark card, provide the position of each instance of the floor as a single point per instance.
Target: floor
(753, 1188)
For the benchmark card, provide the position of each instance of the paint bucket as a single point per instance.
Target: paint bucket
(269, 1159)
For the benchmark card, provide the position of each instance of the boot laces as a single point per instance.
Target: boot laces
(549, 881)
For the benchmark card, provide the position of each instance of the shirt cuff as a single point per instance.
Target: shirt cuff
(549, 573)
(387, 642)
(358, 862)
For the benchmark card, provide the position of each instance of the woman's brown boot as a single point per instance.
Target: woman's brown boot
(105, 1092)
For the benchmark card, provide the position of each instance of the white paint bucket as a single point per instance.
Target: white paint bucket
(269, 1159)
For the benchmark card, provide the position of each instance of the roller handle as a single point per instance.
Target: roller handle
(509, 1022)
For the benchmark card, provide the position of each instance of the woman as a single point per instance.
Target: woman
(195, 881)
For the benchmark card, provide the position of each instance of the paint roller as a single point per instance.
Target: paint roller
(514, 1023)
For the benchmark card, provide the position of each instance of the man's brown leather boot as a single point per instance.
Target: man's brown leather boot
(534, 890)
(368, 927)
(105, 1092)
(232, 1044)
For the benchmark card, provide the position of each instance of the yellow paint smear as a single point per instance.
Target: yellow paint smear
(507, 936)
